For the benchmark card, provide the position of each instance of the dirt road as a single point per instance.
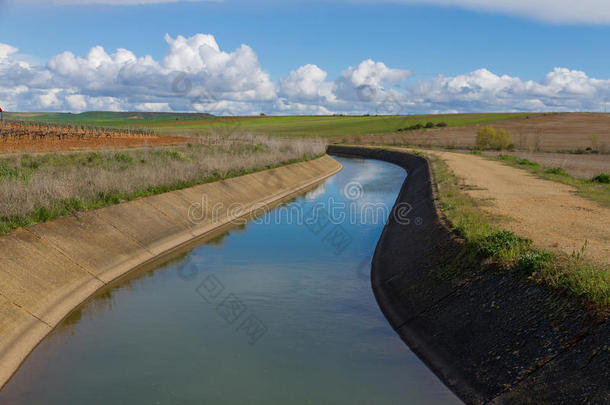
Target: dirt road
(549, 213)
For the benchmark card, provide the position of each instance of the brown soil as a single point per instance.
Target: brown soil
(549, 213)
(75, 144)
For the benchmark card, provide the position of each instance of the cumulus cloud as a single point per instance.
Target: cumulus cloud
(482, 90)
(197, 75)
(366, 81)
(194, 74)
(308, 83)
(6, 50)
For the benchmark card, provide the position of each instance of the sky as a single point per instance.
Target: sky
(305, 57)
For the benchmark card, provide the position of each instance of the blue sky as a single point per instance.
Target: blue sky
(426, 39)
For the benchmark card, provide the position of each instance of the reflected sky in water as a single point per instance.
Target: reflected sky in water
(276, 311)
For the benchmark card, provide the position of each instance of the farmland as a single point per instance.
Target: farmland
(575, 142)
(285, 126)
(558, 132)
(36, 135)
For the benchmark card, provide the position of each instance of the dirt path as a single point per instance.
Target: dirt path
(549, 213)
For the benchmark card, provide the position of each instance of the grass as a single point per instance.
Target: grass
(37, 188)
(596, 189)
(485, 239)
(284, 126)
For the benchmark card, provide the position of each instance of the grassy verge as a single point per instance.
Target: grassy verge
(596, 189)
(38, 188)
(484, 238)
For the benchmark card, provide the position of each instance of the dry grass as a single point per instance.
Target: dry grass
(583, 166)
(34, 188)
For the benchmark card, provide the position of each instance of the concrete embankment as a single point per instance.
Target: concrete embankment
(49, 269)
(490, 336)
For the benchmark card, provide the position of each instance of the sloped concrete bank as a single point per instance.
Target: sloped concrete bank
(490, 336)
(48, 270)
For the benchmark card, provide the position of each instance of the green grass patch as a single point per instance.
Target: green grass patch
(283, 126)
(556, 170)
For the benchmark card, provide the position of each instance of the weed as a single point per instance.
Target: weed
(556, 170)
(603, 178)
(7, 172)
(123, 158)
(526, 162)
(176, 155)
(533, 261)
(94, 157)
(502, 244)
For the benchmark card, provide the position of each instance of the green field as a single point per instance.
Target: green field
(284, 126)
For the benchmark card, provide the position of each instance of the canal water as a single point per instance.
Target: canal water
(276, 311)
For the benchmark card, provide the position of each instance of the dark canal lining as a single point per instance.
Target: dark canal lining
(303, 325)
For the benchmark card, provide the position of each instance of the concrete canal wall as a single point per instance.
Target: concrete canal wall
(49, 269)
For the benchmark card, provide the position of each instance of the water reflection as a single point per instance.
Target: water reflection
(191, 331)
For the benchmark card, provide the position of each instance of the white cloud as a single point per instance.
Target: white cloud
(371, 73)
(365, 82)
(482, 90)
(152, 107)
(6, 51)
(556, 11)
(197, 75)
(308, 83)
(234, 76)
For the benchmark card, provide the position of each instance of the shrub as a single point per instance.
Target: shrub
(430, 125)
(476, 152)
(532, 262)
(441, 124)
(502, 140)
(602, 178)
(485, 137)
(489, 138)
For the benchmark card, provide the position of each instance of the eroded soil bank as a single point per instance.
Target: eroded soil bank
(490, 336)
